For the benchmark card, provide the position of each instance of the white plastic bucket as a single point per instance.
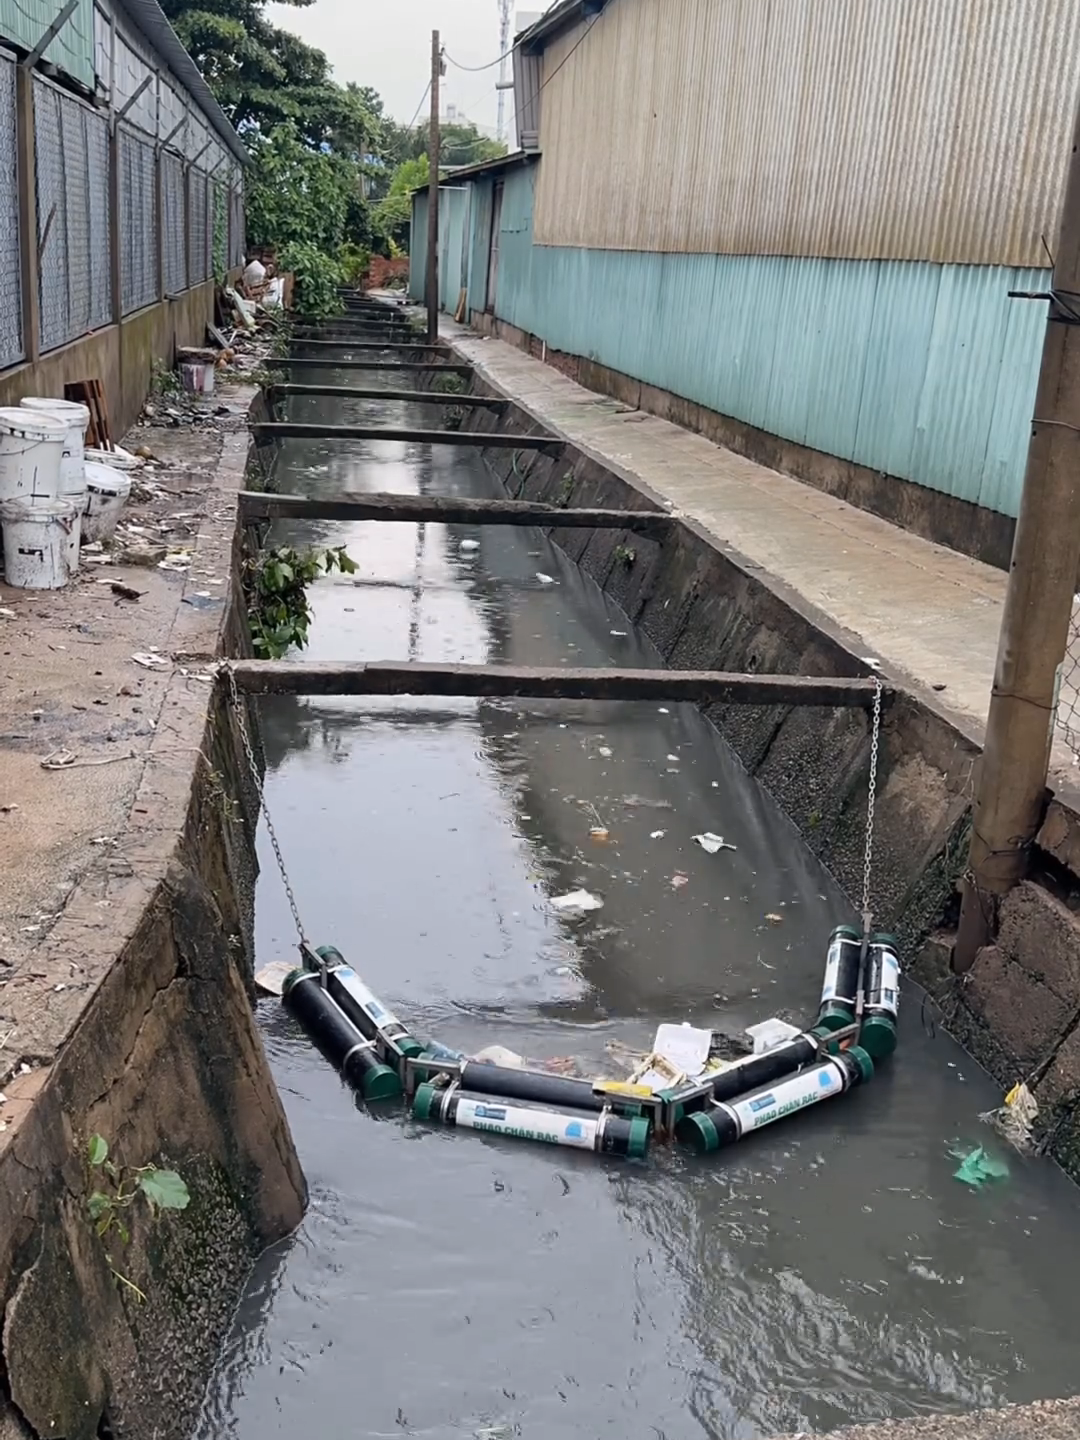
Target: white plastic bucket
(31, 449)
(106, 495)
(197, 378)
(76, 417)
(116, 459)
(37, 542)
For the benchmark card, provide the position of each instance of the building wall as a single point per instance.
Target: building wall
(418, 248)
(24, 22)
(927, 130)
(920, 371)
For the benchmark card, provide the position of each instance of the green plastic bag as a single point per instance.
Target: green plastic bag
(978, 1168)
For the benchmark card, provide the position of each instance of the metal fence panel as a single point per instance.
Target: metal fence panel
(174, 223)
(237, 240)
(11, 336)
(138, 223)
(72, 176)
(219, 262)
(198, 228)
(97, 156)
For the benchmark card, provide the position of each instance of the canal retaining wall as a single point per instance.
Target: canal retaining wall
(138, 1027)
(704, 606)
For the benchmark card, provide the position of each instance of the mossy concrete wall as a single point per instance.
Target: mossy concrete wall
(156, 1050)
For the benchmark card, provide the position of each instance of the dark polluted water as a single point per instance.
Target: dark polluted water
(444, 1284)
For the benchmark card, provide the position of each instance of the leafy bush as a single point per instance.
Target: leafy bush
(317, 276)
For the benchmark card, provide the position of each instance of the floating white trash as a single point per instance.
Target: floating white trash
(106, 495)
(37, 541)
(31, 449)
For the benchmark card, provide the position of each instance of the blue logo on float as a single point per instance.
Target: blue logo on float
(575, 1130)
(825, 1080)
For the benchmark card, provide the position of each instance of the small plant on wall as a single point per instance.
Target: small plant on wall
(117, 1188)
(275, 584)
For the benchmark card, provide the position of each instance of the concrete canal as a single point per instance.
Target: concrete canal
(830, 1269)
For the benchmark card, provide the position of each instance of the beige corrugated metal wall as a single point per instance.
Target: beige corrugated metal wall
(898, 129)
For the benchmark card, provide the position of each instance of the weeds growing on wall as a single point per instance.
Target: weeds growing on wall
(275, 584)
(117, 1188)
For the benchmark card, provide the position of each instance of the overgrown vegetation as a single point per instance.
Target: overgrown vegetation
(275, 585)
(331, 172)
(117, 1188)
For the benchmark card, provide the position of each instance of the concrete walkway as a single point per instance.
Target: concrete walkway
(930, 615)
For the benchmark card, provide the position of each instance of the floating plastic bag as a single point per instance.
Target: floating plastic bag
(978, 1167)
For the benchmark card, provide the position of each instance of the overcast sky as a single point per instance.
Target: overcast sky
(388, 45)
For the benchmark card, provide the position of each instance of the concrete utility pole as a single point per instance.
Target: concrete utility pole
(431, 283)
(1010, 793)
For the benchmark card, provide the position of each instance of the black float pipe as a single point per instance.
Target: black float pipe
(350, 1054)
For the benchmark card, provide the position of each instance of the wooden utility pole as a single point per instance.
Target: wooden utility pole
(431, 283)
(1010, 792)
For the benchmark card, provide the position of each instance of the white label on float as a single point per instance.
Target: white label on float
(788, 1096)
(547, 1126)
(376, 1012)
(889, 995)
(832, 972)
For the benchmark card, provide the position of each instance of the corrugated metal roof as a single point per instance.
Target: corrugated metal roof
(453, 175)
(932, 129)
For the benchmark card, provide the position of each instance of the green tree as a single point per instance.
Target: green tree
(295, 193)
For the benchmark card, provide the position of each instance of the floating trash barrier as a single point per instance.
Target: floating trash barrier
(683, 1089)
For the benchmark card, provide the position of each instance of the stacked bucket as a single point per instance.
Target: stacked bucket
(42, 490)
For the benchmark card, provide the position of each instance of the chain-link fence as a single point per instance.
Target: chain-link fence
(198, 228)
(237, 239)
(138, 222)
(1068, 706)
(72, 177)
(11, 337)
(174, 223)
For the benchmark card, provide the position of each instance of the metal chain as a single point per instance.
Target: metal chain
(256, 776)
(871, 799)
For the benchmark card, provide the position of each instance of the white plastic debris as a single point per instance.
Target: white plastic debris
(577, 902)
(150, 661)
(767, 1034)
(711, 843)
(683, 1046)
(657, 834)
(500, 1055)
(604, 751)
(545, 579)
(467, 546)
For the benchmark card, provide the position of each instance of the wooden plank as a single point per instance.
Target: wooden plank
(295, 430)
(372, 392)
(282, 362)
(372, 345)
(447, 510)
(290, 677)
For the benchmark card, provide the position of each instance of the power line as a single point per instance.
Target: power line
(475, 69)
(423, 97)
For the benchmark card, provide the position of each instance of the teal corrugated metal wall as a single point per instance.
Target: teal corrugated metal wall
(483, 192)
(25, 21)
(923, 371)
(453, 248)
(418, 248)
